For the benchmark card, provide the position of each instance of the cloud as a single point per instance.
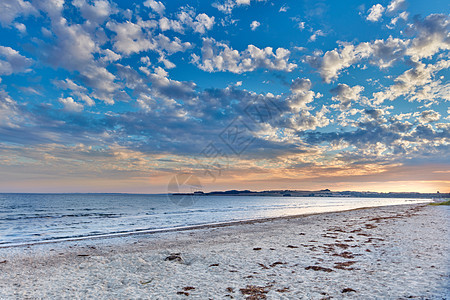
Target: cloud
(375, 13)
(219, 57)
(12, 62)
(386, 52)
(10, 115)
(77, 90)
(345, 94)
(407, 84)
(335, 60)
(254, 25)
(187, 18)
(96, 13)
(70, 104)
(396, 5)
(301, 95)
(402, 16)
(21, 27)
(284, 8)
(428, 116)
(11, 9)
(227, 6)
(383, 53)
(433, 36)
(130, 38)
(157, 6)
(316, 33)
(202, 23)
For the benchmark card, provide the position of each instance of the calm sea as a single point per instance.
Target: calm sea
(31, 218)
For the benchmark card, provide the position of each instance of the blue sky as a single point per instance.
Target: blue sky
(120, 96)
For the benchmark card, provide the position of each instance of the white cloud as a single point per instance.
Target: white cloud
(162, 42)
(157, 6)
(382, 53)
(218, 56)
(77, 90)
(314, 36)
(375, 13)
(70, 104)
(402, 16)
(386, 52)
(11, 9)
(433, 36)
(187, 19)
(110, 56)
(10, 114)
(21, 27)
(74, 48)
(167, 24)
(96, 13)
(202, 23)
(345, 94)
(129, 38)
(396, 5)
(254, 25)
(305, 120)
(301, 95)
(335, 60)
(284, 8)
(12, 62)
(428, 116)
(407, 84)
(227, 6)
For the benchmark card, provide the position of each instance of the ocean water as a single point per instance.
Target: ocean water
(33, 218)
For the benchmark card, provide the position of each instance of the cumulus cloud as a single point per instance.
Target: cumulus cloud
(11, 9)
(433, 36)
(255, 24)
(220, 57)
(407, 83)
(386, 52)
(396, 5)
(202, 23)
(12, 62)
(345, 94)
(97, 13)
(375, 13)
(187, 18)
(77, 90)
(70, 104)
(428, 116)
(301, 95)
(157, 6)
(316, 33)
(335, 60)
(130, 38)
(227, 6)
(383, 53)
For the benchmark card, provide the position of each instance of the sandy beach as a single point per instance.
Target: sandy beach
(392, 252)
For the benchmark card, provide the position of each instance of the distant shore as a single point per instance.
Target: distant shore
(319, 193)
(383, 252)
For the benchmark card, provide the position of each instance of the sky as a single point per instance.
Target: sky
(134, 96)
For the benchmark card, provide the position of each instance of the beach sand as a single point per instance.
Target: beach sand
(392, 252)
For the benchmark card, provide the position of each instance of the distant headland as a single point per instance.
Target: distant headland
(319, 193)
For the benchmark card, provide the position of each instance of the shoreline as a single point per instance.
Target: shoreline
(184, 228)
(399, 252)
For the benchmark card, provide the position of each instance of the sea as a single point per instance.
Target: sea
(42, 218)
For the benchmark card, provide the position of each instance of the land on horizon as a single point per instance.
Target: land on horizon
(319, 193)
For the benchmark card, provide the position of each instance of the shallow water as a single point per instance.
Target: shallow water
(31, 218)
